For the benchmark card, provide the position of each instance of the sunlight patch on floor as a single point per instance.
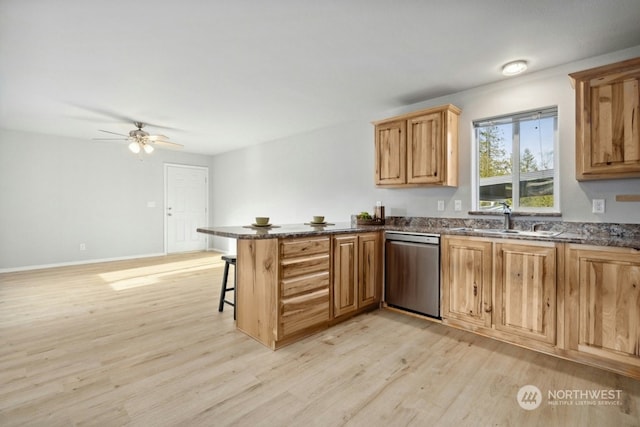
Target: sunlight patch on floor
(149, 275)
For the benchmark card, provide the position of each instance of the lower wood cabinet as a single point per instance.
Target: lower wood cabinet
(369, 269)
(283, 288)
(303, 285)
(502, 288)
(289, 288)
(357, 272)
(466, 278)
(525, 289)
(580, 302)
(603, 305)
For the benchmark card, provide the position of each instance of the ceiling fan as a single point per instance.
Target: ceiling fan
(140, 140)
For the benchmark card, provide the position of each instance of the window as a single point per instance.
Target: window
(515, 157)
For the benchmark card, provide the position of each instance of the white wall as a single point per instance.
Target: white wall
(56, 193)
(330, 171)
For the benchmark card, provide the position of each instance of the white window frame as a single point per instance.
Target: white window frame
(505, 118)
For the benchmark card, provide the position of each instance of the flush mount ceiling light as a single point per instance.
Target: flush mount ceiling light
(514, 67)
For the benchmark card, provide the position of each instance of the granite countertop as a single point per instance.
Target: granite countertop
(562, 237)
(587, 234)
(287, 230)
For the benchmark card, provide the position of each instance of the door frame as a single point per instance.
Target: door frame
(166, 198)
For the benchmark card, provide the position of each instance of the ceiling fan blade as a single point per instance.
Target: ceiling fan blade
(166, 144)
(105, 112)
(118, 116)
(115, 133)
(110, 139)
(157, 138)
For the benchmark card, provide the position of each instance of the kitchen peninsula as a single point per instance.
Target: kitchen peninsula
(294, 280)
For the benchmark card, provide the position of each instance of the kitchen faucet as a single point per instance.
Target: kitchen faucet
(506, 210)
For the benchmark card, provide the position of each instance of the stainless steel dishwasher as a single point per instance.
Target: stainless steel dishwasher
(412, 272)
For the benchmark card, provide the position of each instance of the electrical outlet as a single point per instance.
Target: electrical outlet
(440, 205)
(457, 206)
(598, 206)
(83, 247)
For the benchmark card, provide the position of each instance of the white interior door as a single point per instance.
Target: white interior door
(186, 207)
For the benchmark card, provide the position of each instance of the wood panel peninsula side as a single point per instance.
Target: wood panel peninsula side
(286, 275)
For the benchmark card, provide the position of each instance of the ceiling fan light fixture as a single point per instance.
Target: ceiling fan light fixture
(514, 67)
(148, 148)
(134, 147)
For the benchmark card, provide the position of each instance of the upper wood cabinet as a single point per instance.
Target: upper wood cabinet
(608, 121)
(391, 149)
(420, 148)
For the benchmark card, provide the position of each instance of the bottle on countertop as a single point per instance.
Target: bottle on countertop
(378, 211)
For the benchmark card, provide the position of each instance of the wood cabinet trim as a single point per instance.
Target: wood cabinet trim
(406, 116)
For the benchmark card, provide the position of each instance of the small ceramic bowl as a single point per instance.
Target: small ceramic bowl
(318, 219)
(262, 220)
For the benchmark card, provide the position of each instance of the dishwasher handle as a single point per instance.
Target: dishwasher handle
(413, 238)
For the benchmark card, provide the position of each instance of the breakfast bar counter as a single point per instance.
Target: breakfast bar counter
(294, 280)
(287, 230)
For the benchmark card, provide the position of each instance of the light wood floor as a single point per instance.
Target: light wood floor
(141, 343)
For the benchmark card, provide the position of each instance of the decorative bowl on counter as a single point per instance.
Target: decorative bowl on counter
(262, 220)
(370, 221)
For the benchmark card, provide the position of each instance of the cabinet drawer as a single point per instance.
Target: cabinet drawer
(303, 284)
(304, 311)
(302, 247)
(303, 266)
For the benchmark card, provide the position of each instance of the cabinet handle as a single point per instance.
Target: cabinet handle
(488, 309)
(475, 290)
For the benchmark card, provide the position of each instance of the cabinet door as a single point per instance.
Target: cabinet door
(604, 317)
(425, 149)
(607, 125)
(369, 269)
(391, 153)
(466, 280)
(525, 289)
(345, 275)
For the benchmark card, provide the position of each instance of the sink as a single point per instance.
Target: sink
(540, 233)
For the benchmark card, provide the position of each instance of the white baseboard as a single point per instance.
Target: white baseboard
(222, 251)
(66, 264)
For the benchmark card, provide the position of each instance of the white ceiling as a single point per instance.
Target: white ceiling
(226, 74)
